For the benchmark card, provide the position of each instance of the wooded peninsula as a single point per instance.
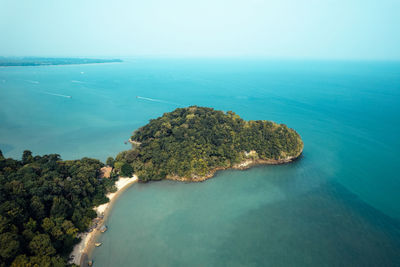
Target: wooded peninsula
(190, 144)
(45, 202)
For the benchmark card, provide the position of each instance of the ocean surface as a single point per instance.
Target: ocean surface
(338, 205)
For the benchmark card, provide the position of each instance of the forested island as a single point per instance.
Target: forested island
(44, 203)
(190, 144)
(45, 61)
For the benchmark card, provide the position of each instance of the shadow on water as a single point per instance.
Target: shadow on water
(328, 226)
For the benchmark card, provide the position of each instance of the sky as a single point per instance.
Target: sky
(288, 29)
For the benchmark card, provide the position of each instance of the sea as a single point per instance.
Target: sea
(337, 205)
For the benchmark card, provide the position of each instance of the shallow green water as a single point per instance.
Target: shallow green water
(261, 217)
(337, 205)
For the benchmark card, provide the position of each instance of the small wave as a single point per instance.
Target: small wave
(75, 81)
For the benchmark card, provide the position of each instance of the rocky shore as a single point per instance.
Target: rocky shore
(246, 164)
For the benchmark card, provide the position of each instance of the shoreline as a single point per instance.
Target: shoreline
(81, 250)
(244, 165)
(52, 65)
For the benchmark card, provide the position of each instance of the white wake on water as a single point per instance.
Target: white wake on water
(60, 95)
(75, 81)
(30, 81)
(158, 100)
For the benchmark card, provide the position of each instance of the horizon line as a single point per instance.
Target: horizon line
(230, 57)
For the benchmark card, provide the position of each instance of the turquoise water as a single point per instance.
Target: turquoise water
(337, 205)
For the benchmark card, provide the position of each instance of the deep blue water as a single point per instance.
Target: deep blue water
(338, 205)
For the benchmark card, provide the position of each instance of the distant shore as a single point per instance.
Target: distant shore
(81, 250)
(41, 61)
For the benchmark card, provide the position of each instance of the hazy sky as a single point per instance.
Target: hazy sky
(316, 29)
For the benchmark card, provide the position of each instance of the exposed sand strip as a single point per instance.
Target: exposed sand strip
(82, 249)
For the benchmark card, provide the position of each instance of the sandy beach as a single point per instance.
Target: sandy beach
(83, 248)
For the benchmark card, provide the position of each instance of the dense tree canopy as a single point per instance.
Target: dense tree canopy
(44, 203)
(190, 142)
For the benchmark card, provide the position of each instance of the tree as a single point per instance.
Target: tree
(9, 245)
(21, 260)
(41, 245)
(118, 165)
(27, 157)
(126, 170)
(37, 207)
(110, 161)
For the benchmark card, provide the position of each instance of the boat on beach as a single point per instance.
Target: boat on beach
(103, 228)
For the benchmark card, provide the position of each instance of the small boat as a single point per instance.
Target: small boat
(103, 228)
(98, 244)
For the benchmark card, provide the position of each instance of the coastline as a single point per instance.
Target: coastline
(61, 64)
(244, 165)
(81, 250)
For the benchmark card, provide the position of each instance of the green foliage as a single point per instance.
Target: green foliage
(126, 170)
(44, 203)
(110, 161)
(118, 165)
(190, 142)
(9, 245)
(41, 245)
(27, 157)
